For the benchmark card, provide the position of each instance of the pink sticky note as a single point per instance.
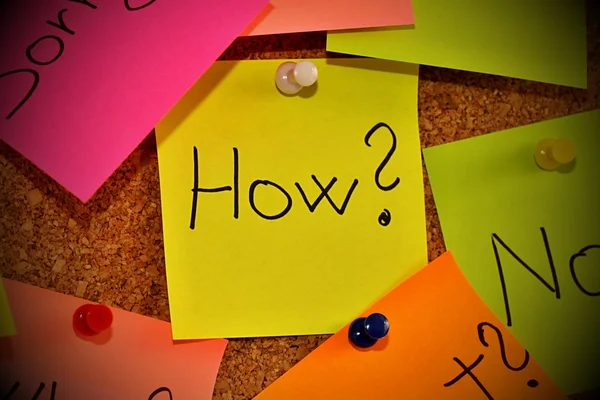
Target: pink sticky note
(84, 81)
(135, 359)
(287, 16)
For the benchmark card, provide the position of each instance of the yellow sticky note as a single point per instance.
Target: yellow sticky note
(283, 215)
(7, 325)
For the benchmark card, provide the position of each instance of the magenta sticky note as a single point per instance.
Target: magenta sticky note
(84, 81)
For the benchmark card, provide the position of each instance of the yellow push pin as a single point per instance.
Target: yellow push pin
(552, 153)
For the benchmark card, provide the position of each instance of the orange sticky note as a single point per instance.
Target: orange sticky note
(135, 359)
(443, 343)
(289, 16)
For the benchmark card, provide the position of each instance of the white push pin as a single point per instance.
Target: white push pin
(291, 77)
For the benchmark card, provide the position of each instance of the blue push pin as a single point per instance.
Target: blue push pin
(365, 332)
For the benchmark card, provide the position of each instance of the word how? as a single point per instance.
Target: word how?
(468, 370)
(62, 26)
(552, 288)
(42, 386)
(384, 218)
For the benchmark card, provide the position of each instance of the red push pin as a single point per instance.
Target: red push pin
(91, 319)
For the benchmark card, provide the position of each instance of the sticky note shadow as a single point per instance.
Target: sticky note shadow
(567, 168)
(378, 29)
(380, 65)
(100, 339)
(305, 93)
(183, 342)
(381, 345)
(201, 89)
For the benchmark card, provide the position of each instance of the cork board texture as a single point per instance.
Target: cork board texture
(110, 250)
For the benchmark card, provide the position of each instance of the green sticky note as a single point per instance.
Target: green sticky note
(7, 326)
(506, 219)
(537, 40)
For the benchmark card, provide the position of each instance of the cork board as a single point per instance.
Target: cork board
(110, 250)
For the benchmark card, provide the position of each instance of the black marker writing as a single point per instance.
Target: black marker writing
(11, 391)
(263, 183)
(554, 289)
(37, 393)
(85, 2)
(61, 23)
(40, 389)
(468, 370)
(574, 257)
(325, 194)
(161, 390)
(34, 84)
(58, 43)
(287, 208)
(130, 8)
(387, 158)
(385, 217)
(29, 50)
(481, 334)
(196, 189)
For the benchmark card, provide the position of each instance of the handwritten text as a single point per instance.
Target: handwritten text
(553, 287)
(53, 392)
(468, 370)
(340, 207)
(59, 44)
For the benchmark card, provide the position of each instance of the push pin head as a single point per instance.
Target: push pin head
(91, 319)
(553, 153)
(365, 332)
(291, 77)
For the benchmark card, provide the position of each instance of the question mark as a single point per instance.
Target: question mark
(385, 217)
(161, 390)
